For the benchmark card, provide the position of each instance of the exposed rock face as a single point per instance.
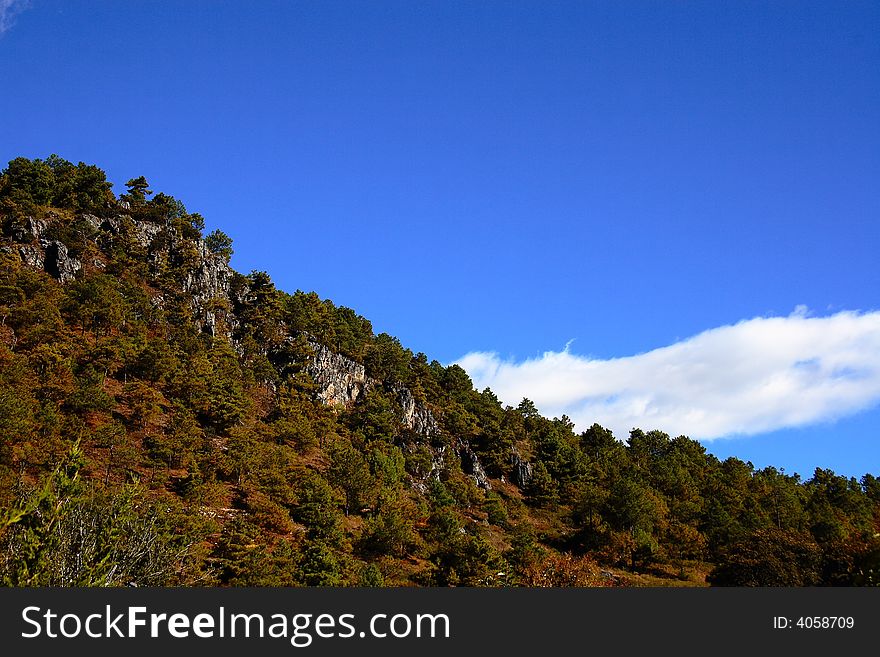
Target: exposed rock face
(205, 283)
(28, 231)
(31, 256)
(416, 416)
(521, 470)
(59, 263)
(92, 220)
(35, 250)
(110, 225)
(471, 465)
(343, 381)
(340, 380)
(209, 281)
(146, 232)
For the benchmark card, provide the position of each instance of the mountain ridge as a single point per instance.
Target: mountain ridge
(290, 445)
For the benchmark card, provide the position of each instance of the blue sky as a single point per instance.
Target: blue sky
(498, 180)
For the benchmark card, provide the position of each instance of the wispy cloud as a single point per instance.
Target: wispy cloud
(755, 376)
(9, 9)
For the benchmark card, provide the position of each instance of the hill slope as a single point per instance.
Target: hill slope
(168, 420)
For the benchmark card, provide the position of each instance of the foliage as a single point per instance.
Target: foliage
(65, 533)
(219, 243)
(770, 557)
(141, 444)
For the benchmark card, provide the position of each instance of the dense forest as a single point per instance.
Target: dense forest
(165, 420)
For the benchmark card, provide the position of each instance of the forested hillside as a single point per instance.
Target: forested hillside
(165, 420)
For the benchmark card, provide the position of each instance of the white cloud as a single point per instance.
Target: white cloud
(756, 376)
(9, 9)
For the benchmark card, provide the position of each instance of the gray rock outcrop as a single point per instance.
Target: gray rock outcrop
(340, 380)
(521, 470)
(31, 256)
(416, 417)
(471, 465)
(58, 262)
(146, 232)
(207, 283)
(29, 230)
(466, 457)
(213, 287)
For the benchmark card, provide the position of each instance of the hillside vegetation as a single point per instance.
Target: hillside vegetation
(165, 420)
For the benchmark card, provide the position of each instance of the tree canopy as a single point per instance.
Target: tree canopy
(138, 446)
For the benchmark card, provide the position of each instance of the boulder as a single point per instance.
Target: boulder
(471, 466)
(340, 379)
(521, 470)
(59, 263)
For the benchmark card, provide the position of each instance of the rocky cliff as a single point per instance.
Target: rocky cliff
(340, 380)
(36, 249)
(343, 381)
(207, 282)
